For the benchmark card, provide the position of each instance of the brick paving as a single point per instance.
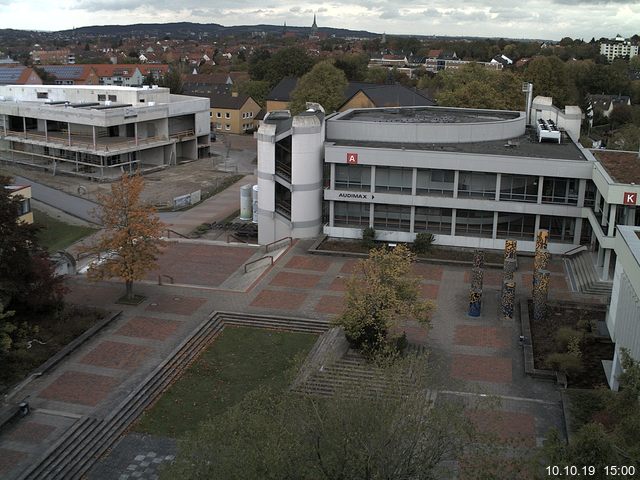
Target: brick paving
(79, 387)
(349, 266)
(330, 304)
(315, 263)
(480, 368)
(295, 280)
(30, 432)
(339, 284)
(556, 282)
(176, 304)
(427, 271)
(429, 291)
(118, 355)
(507, 426)
(9, 459)
(482, 336)
(282, 300)
(194, 264)
(490, 277)
(148, 327)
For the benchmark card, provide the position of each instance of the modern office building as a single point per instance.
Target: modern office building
(624, 310)
(23, 194)
(99, 131)
(471, 177)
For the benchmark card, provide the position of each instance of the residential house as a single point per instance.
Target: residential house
(23, 193)
(502, 59)
(72, 74)
(233, 113)
(62, 56)
(604, 104)
(280, 95)
(372, 95)
(18, 75)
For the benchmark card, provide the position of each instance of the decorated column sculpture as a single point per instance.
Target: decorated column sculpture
(540, 294)
(508, 299)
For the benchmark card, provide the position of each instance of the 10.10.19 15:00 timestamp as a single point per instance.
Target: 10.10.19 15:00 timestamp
(619, 471)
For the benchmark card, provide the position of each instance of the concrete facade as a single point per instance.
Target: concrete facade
(623, 318)
(96, 131)
(473, 178)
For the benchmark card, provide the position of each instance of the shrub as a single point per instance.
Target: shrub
(564, 362)
(369, 238)
(565, 336)
(423, 242)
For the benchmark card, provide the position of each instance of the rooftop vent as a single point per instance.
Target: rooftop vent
(547, 129)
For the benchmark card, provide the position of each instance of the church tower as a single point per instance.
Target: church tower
(314, 29)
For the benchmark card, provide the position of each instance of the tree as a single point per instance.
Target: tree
(353, 66)
(382, 293)
(359, 433)
(288, 62)
(474, 86)
(324, 84)
(27, 279)
(549, 78)
(620, 115)
(131, 235)
(173, 81)
(256, 89)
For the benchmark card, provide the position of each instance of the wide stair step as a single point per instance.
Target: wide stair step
(584, 276)
(89, 438)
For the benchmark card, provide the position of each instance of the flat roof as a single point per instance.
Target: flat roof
(86, 87)
(427, 114)
(622, 167)
(523, 146)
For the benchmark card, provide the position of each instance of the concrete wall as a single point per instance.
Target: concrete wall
(400, 132)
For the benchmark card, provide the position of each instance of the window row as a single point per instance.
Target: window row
(514, 188)
(468, 223)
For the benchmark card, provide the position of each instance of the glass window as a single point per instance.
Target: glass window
(392, 217)
(394, 179)
(477, 184)
(474, 223)
(435, 182)
(561, 229)
(227, 127)
(218, 115)
(519, 188)
(560, 190)
(101, 97)
(227, 115)
(590, 194)
(353, 177)
(433, 220)
(113, 98)
(516, 225)
(350, 214)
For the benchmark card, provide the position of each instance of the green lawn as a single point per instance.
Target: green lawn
(237, 362)
(56, 235)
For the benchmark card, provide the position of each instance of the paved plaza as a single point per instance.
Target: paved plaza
(478, 356)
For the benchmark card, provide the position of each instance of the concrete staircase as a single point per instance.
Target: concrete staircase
(73, 455)
(583, 276)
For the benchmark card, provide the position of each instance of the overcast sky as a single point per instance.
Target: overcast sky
(548, 19)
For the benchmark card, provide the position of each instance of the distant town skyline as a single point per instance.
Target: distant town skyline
(549, 19)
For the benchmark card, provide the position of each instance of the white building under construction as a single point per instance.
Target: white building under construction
(100, 131)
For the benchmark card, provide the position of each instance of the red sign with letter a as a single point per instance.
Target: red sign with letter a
(352, 158)
(630, 198)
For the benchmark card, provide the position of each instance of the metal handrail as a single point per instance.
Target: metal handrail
(256, 261)
(266, 247)
(574, 250)
(169, 231)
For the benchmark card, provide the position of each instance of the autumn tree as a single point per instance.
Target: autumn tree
(324, 84)
(381, 293)
(288, 62)
(130, 237)
(474, 86)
